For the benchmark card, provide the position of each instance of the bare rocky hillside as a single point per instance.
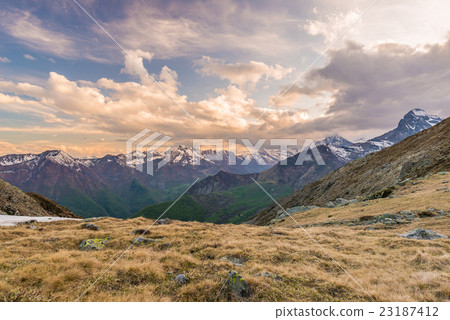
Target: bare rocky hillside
(14, 201)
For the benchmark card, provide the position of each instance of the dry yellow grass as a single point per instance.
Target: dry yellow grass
(47, 265)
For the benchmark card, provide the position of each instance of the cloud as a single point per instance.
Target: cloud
(240, 73)
(29, 57)
(371, 88)
(4, 60)
(202, 27)
(29, 30)
(134, 63)
(332, 25)
(121, 109)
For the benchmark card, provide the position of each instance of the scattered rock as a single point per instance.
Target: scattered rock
(140, 231)
(421, 234)
(269, 275)
(27, 223)
(442, 189)
(340, 202)
(426, 214)
(141, 240)
(237, 284)
(91, 244)
(366, 218)
(162, 221)
(181, 279)
(89, 226)
(32, 227)
(402, 183)
(330, 204)
(234, 260)
(443, 173)
(383, 193)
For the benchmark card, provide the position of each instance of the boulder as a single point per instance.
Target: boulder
(162, 221)
(234, 260)
(92, 244)
(181, 279)
(140, 231)
(237, 284)
(421, 234)
(26, 223)
(89, 226)
(141, 240)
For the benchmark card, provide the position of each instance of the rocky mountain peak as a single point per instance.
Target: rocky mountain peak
(337, 141)
(412, 122)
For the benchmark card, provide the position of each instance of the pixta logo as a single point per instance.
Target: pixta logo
(142, 147)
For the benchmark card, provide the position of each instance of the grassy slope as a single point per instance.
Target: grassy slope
(107, 203)
(240, 203)
(48, 266)
(185, 209)
(245, 201)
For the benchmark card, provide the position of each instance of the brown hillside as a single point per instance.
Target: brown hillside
(51, 207)
(423, 153)
(14, 201)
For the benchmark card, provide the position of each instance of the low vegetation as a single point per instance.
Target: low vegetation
(234, 205)
(279, 263)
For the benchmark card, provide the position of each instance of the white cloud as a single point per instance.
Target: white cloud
(4, 60)
(241, 73)
(123, 108)
(134, 63)
(29, 57)
(332, 25)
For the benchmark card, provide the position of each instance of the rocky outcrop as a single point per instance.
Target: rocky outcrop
(421, 234)
(237, 284)
(93, 244)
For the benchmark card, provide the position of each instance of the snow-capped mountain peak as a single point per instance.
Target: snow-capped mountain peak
(413, 122)
(336, 141)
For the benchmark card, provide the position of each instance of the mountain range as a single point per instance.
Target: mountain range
(228, 197)
(109, 186)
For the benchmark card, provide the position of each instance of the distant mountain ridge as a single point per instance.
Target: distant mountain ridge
(335, 150)
(109, 186)
(226, 197)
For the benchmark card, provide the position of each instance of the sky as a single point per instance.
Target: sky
(84, 76)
